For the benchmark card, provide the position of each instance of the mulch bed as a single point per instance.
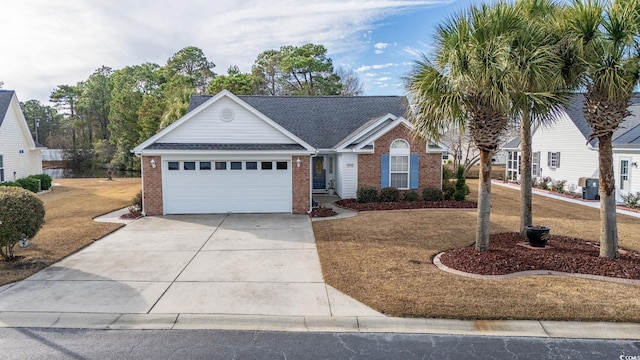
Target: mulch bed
(322, 212)
(446, 204)
(131, 215)
(566, 254)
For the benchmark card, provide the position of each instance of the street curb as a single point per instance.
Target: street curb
(344, 324)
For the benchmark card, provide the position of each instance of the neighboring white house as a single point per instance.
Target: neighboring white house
(561, 151)
(19, 154)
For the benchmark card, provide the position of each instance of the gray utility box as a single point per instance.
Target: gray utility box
(590, 188)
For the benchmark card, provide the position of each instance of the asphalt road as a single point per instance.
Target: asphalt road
(26, 343)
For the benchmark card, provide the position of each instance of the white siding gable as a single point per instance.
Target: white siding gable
(208, 126)
(19, 157)
(576, 157)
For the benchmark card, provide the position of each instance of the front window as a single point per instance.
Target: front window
(553, 160)
(1, 169)
(535, 164)
(399, 164)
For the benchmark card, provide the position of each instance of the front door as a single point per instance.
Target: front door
(624, 176)
(319, 174)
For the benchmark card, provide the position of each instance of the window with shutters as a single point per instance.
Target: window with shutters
(553, 160)
(399, 164)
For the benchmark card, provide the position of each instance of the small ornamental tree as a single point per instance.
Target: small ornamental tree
(21, 216)
(461, 186)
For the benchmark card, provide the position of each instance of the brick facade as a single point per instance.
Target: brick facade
(152, 185)
(301, 184)
(430, 164)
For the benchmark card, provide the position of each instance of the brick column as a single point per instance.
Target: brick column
(300, 184)
(152, 185)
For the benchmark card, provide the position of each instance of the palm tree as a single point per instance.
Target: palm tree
(606, 36)
(544, 72)
(467, 85)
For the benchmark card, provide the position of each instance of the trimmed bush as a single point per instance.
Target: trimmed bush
(45, 180)
(367, 194)
(632, 200)
(432, 194)
(411, 196)
(136, 203)
(10, 183)
(447, 173)
(30, 184)
(389, 194)
(448, 188)
(461, 189)
(21, 217)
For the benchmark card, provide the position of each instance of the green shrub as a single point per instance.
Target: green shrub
(432, 194)
(10, 183)
(21, 216)
(30, 184)
(367, 194)
(411, 196)
(447, 173)
(461, 189)
(389, 194)
(448, 188)
(45, 180)
(632, 200)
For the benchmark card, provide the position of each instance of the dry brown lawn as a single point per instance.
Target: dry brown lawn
(69, 226)
(384, 258)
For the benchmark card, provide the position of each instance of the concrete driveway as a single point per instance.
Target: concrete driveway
(191, 264)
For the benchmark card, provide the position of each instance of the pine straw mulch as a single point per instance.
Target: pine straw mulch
(562, 253)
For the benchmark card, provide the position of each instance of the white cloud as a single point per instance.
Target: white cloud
(384, 78)
(381, 46)
(375, 67)
(63, 41)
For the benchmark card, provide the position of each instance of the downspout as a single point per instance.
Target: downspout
(141, 179)
(311, 181)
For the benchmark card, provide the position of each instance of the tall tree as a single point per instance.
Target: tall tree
(93, 103)
(351, 84)
(46, 117)
(543, 77)
(266, 71)
(606, 34)
(65, 98)
(467, 85)
(235, 81)
(192, 64)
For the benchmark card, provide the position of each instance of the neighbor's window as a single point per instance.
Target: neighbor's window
(236, 165)
(553, 160)
(1, 169)
(174, 165)
(624, 173)
(251, 165)
(281, 165)
(189, 165)
(221, 165)
(535, 164)
(399, 164)
(205, 165)
(266, 165)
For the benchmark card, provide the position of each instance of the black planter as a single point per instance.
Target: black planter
(538, 235)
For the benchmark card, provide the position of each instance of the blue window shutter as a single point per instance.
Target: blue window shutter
(384, 171)
(413, 175)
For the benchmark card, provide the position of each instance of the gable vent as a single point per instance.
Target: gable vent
(227, 114)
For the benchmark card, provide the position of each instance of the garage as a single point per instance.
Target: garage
(207, 186)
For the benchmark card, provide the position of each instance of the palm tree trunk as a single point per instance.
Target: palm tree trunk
(526, 183)
(484, 202)
(608, 222)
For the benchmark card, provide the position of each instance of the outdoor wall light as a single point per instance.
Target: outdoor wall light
(634, 164)
(153, 163)
(298, 163)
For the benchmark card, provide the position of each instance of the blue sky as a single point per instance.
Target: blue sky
(52, 42)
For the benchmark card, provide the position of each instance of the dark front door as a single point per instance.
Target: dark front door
(319, 174)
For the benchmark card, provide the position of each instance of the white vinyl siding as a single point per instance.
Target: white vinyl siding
(209, 127)
(346, 175)
(18, 156)
(577, 159)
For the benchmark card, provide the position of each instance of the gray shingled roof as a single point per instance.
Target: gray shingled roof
(321, 121)
(224, 147)
(5, 101)
(512, 144)
(627, 134)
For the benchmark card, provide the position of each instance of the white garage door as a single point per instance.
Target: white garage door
(238, 186)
